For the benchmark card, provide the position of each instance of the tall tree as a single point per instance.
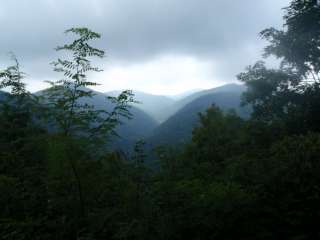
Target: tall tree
(21, 157)
(298, 44)
(288, 97)
(67, 97)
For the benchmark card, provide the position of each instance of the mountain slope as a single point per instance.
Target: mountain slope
(161, 108)
(178, 128)
(184, 101)
(185, 94)
(154, 105)
(3, 95)
(140, 126)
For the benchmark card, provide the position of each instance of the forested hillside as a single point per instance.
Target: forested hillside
(180, 103)
(251, 173)
(178, 128)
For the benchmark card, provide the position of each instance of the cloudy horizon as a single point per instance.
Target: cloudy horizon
(160, 47)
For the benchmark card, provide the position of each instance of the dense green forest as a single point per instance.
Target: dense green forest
(239, 177)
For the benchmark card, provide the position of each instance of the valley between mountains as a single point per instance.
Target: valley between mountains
(169, 120)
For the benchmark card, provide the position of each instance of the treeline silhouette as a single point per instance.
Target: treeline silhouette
(256, 178)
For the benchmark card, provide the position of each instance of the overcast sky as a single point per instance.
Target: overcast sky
(157, 46)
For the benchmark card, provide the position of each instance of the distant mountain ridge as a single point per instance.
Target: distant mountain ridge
(154, 105)
(161, 107)
(188, 99)
(184, 94)
(178, 128)
(140, 126)
(162, 120)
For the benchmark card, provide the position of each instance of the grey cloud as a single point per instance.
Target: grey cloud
(133, 31)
